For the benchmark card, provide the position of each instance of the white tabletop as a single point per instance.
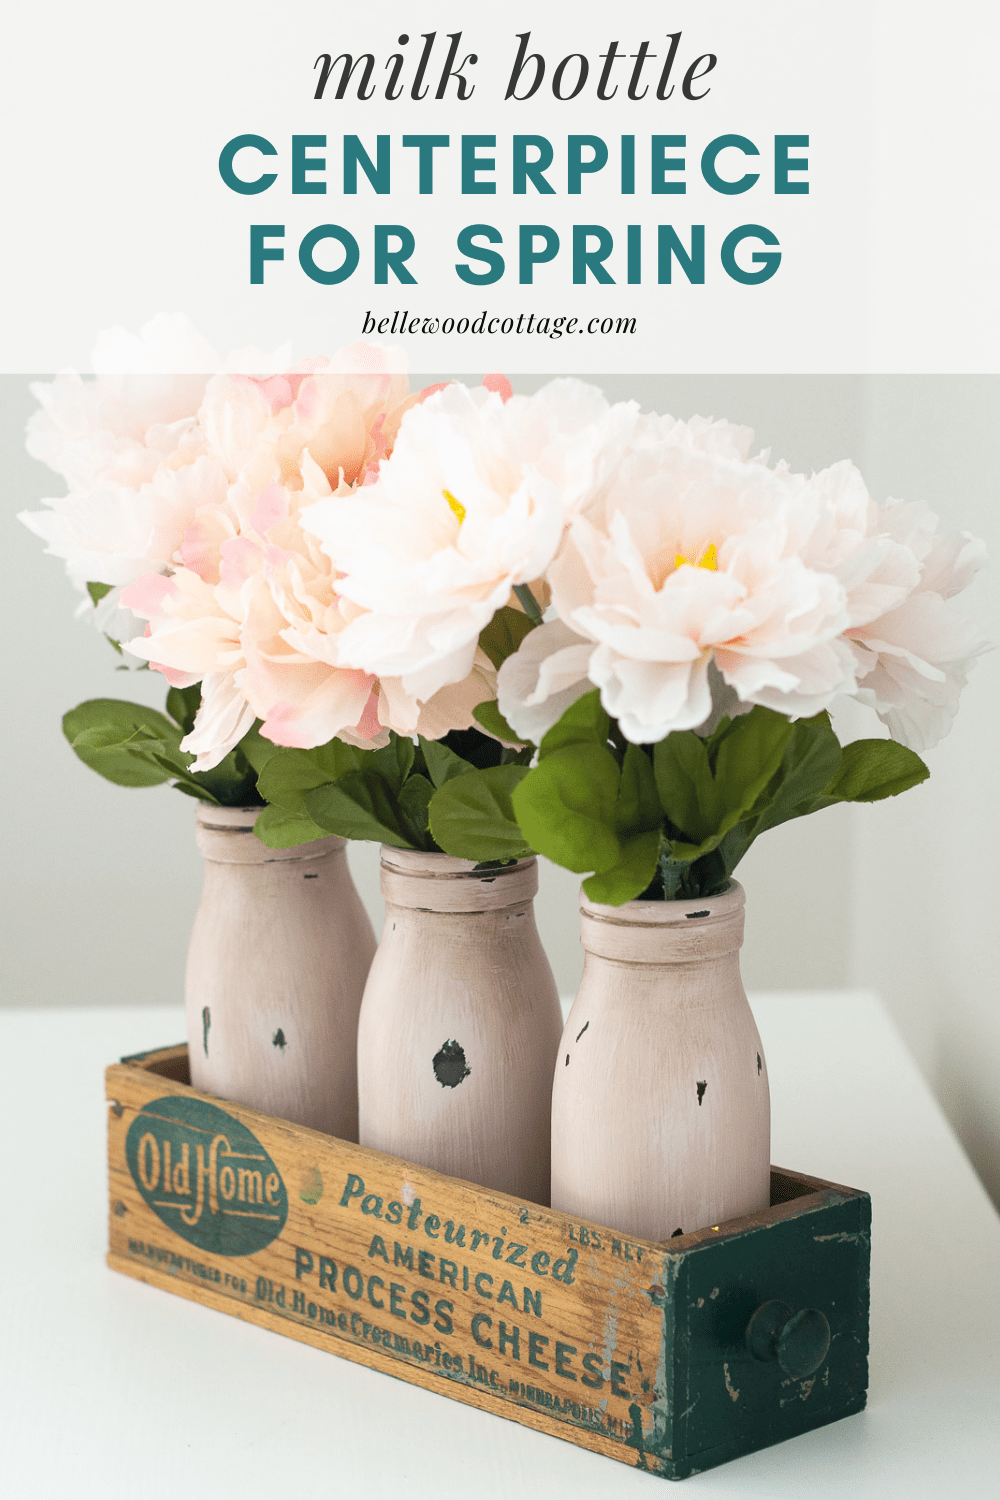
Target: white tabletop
(111, 1388)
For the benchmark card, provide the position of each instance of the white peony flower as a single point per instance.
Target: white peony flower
(473, 503)
(544, 676)
(116, 532)
(129, 445)
(694, 558)
(704, 584)
(914, 659)
(137, 413)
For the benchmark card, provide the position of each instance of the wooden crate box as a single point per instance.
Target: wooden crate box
(672, 1358)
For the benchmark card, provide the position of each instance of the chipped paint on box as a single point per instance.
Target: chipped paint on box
(632, 1349)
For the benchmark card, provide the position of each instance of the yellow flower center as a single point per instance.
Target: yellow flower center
(455, 506)
(706, 560)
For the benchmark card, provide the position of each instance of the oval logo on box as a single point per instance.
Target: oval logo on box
(205, 1176)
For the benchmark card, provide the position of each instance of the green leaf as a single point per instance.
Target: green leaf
(583, 723)
(566, 807)
(115, 713)
(104, 751)
(413, 805)
(233, 782)
(192, 788)
(874, 769)
(811, 758)
(746, 760)
(637, 808)
(279, 829)
(714, 740)
(395, 761)
(136, 746)
(719, 794)
(633, 874)
(704, 802)
(285, 777)
(258, 750)
(504, 634)
(358, 806)
(489, 716)
(684, 783)
(97, 592)
(734, 844)
(811, 761)
(183, 704)
(442, 763)
(472, 817)
(684, 852)
(512, 755)
(186, 781)
(117, 740)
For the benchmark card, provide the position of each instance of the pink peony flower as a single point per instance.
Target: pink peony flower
(255, 609)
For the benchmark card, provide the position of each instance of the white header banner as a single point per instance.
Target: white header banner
(537, 188)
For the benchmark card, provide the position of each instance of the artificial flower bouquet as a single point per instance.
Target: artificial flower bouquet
(475, 627)
(482, 623)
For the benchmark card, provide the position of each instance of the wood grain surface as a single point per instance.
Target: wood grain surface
(566, 1326)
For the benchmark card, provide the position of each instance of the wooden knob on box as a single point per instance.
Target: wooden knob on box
(799, 1341)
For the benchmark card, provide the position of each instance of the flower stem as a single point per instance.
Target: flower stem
(528, 603)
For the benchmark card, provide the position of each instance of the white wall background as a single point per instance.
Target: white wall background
(98, 885)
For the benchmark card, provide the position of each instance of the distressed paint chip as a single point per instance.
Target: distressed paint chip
(311, 1190)
(279, 1040)
(450, 1066)
(634, 1438)
(802, 1394)
(206, 1021)
(734, 1394)
(702, 1085)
